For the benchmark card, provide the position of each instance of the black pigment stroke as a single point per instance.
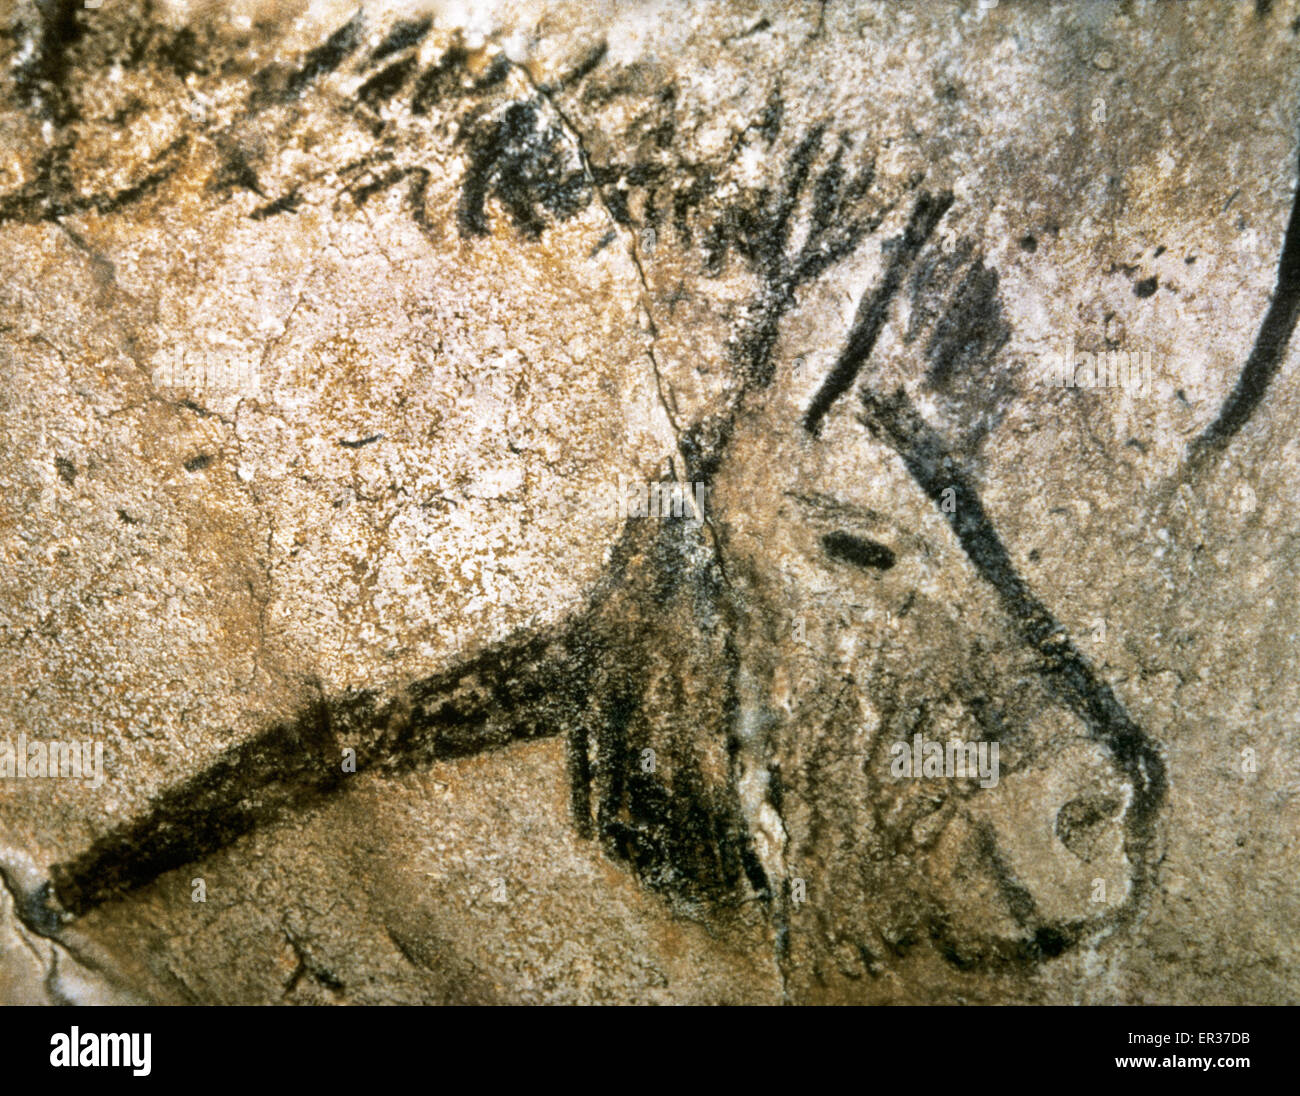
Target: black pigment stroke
(873, 309)
(404, 34)
(759, 229)
(1266, 355)
(522, 161)
(325, 58)
(511, 693)
(41, 80)
(51, 195)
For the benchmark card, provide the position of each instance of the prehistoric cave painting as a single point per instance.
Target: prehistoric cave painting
(661, 621)
(1068, 676)
(659, 658)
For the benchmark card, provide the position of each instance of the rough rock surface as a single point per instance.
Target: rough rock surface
(327, 335)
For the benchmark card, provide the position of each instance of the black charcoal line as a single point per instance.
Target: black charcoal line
(1267, 354)
(506, 695)
(873, 309)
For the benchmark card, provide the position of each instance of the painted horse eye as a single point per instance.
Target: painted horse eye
(859, 550)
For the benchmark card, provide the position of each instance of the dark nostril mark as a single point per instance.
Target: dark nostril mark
(859, 550)
(1080, 824)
